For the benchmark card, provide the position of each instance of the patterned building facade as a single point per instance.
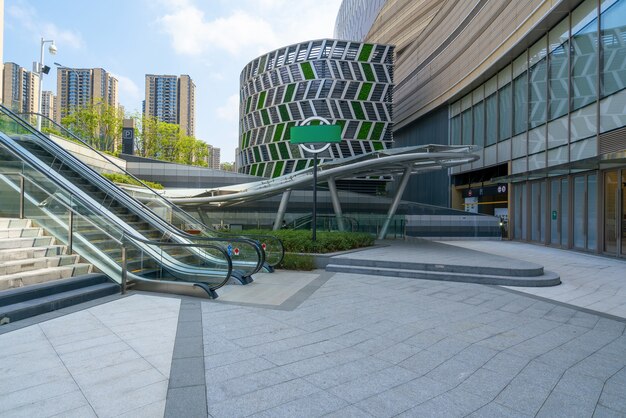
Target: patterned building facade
(347, 83)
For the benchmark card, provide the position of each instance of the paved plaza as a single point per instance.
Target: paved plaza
(342, 345)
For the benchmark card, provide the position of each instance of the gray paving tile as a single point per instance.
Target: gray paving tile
(316, 405)
(372, 384)
(186, 372)
(349, 412)
(183, 402)
(604, 412)
(263, 399)
(563, 405)
(295, 354)
(346, 372)
(523, 396)
(614, 401)
(495, 410)
(49, 406)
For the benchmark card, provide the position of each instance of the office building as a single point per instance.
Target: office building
(78, 87)
(347, 83)
(537, 86)
(20, 89)
(171, 99)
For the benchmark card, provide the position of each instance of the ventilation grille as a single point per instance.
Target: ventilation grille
(613, 141)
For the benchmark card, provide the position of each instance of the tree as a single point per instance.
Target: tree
(97, 123)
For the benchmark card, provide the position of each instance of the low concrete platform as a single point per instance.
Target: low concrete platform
(423, 259)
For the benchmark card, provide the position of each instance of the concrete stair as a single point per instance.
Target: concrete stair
(38, 276)
(503, 276)
(27, 257)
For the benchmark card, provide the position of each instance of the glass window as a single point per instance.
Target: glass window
(505, 116)
(592, 213)
(613, 26)
(455, 130)
(584, 52)
(466, 134)
(579, 212)
(491, 119)
(479, 124)
(537, 99)
(520, 104)
(559, 80)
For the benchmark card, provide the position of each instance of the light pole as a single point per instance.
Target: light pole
(41, 70)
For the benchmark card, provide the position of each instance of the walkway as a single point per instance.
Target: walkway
(341, 345)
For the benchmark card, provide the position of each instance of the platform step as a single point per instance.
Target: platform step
(32, 277)
(529, 271)
(14, 223)
(9, 243)
(19, 232)
(546, 279)
(31, 252)
(17, 304)
(16, 266)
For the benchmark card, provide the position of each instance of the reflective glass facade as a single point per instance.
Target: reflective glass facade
(552, 114)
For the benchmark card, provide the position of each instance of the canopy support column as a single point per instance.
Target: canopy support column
(282, 208)
(334, 197)
(396, 200)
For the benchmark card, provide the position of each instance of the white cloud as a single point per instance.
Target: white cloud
(128, 88)
(192, 34)
(230, 110)
(26, 16)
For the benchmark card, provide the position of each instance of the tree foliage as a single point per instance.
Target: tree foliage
(101, 125)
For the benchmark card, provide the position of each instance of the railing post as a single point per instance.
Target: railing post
(70, 232)
(21, 197)
(124, 270)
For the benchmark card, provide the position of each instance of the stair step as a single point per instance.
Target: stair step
(21, 232)
(17, 266)
(25, 242)
(31, 252)
(14, 223)
(55, 301)
(31, 277)
(547, 279)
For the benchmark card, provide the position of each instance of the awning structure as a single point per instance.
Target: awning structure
(396, 162)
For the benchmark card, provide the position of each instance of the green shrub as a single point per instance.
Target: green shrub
(125, 179)
(302, 262)
(299, 241)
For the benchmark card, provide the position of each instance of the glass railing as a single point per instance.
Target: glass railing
(90, 233)
(248, 255)
(168, 211)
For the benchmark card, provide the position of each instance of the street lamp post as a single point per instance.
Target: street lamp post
(41, 70)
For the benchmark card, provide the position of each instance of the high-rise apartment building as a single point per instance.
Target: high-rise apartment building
(20, 88)
(47, 104)
(78, 87)
(214, 157)
(171, 99)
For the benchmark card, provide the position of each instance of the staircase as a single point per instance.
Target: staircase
(37, 275)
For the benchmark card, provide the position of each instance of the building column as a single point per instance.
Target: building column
(396, 200)
(282, 208)
(334, 197)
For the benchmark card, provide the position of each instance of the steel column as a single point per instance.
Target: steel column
(396, 200)
(282, 208)
(334, 197)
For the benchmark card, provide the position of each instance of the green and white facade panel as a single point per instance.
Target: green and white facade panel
(347, 83)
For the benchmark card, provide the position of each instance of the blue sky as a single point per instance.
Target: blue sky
(211, 40)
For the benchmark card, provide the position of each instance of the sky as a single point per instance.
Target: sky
(210, 40)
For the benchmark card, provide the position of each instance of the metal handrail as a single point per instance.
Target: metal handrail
(144, 211)
(185, 215)
(125, 236)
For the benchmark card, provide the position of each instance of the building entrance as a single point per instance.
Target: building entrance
(615, 212)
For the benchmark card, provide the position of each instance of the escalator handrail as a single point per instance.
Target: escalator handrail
(111, 189)
(18, 151)
(126, 236)
(184, 214)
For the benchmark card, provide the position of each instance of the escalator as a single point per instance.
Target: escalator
(104, 224)
(182, 221)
